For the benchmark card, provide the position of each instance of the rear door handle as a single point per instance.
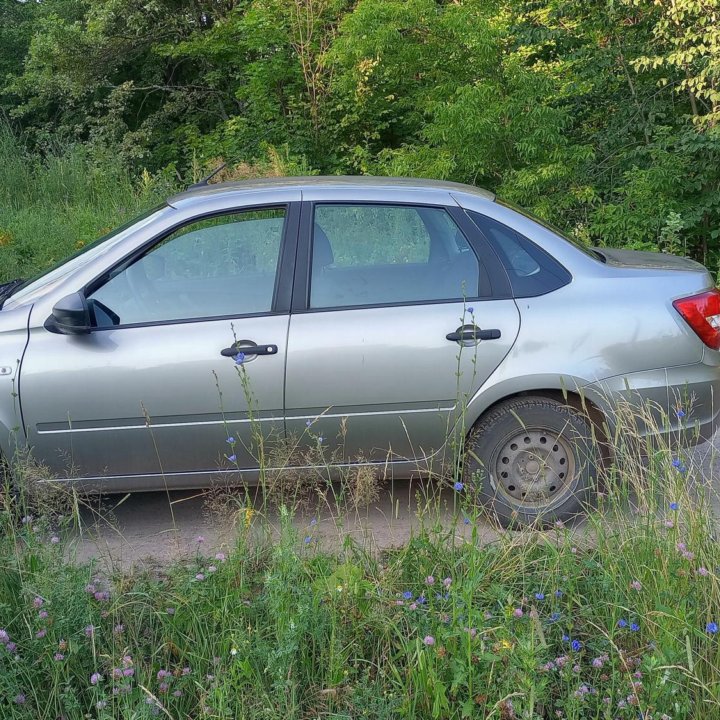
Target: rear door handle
(472, 333)
(247, 347)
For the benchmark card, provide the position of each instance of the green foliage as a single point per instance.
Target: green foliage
(601, 117)
(52, 206)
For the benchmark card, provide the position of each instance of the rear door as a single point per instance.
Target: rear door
(153, 394)
(400, 313)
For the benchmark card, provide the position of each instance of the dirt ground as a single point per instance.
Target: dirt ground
(154, 528)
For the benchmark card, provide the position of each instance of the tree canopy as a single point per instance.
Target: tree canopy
(602, 117)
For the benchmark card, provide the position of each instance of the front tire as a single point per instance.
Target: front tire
(532, 461)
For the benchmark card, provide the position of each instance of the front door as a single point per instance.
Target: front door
(149, 396)
(399, 326)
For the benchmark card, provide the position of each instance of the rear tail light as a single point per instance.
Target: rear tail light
(702, 314)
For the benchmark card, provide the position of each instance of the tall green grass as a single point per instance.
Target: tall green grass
(616, 619)
(52, 204)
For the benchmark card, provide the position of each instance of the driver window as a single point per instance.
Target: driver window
(215, 267)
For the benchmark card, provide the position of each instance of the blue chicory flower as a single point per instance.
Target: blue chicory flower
(458, 486)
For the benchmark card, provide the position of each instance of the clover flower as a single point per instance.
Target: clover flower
(429, 640)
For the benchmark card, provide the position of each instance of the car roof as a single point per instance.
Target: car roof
(325, 181)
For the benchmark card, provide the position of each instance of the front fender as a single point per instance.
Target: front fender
(13, 341)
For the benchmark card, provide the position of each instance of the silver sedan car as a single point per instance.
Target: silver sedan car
(392, 322)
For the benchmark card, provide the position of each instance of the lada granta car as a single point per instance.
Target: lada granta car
(385, 316)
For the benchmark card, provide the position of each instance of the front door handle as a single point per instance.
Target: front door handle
(248, 347)
(471, 334)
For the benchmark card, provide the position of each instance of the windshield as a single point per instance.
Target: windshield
(58, 272)
(548, 226)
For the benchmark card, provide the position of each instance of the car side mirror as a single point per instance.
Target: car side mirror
(70, 316)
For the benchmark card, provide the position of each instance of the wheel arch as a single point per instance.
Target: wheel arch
(576, 399)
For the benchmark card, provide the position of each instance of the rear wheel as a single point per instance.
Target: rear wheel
(532, 460)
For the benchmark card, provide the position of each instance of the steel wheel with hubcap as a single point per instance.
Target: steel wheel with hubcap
(532, 459)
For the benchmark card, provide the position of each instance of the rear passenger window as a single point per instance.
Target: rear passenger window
(388, 254)
(531, 270)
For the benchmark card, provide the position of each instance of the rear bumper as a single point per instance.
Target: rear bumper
(681, 403)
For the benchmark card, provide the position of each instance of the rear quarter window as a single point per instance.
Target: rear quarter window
(531, 270)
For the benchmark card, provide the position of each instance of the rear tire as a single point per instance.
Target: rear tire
(532, 461)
